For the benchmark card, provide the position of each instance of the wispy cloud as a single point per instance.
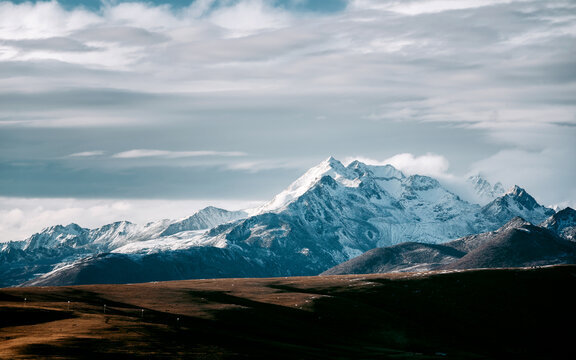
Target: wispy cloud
(147, 153)
(87, 153)
(417, 7)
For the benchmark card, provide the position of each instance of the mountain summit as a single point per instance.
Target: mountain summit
(484, 190)
(516, 202)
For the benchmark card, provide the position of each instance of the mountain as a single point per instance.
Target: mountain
(206, 218)
(485, 191)
(408, 256)
(516, 202)
(526, 245)
(195, 263)
(60, 246)
(516, 244)
(329, 215)
(563, 223)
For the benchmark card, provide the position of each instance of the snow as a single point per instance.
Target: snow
(329, 167)
(485, 191)
(180, 241)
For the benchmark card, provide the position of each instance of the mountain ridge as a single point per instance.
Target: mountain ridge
(329, 215)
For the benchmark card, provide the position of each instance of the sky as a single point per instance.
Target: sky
(143, 110)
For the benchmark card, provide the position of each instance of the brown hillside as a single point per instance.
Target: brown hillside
(504, 313)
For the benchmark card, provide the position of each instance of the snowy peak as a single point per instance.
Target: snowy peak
(55, 236)
(332, 163)
(72, 229)
(421, 183)
(350, 176)
(329, 167)
(484, 190)
(522, 197)
(563, 218)
(206, 218)
(516, 202)
(563, 223)
(377, 171)
(108, 234)
(117, 227)
(516, 222)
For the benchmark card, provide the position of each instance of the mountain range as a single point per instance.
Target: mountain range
(331, 214)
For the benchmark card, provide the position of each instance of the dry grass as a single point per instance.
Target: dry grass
(472, 314)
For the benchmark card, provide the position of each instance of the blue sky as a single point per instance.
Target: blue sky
(105, 106)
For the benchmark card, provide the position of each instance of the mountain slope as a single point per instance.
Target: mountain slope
(402, 257)
(527, 245)
(516, 244)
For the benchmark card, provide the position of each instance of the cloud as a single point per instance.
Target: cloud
(249, 17)
(57, 44)
(417, 7)
(427, 164)
(42, 19)
(87, 153)
(146, 153)
(125, 35)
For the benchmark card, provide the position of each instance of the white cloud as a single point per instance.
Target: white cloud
(417, 7)
(428, 164)
(87, 153)
(249, 17)
(260, 165)
(145, 153)
(43, 19)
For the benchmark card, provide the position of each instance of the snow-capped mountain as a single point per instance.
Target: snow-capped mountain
(516, 202)
(59, 245)
(562, 223)
(327, 216)
(485, 191)
(336, 211)
(206, 218)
